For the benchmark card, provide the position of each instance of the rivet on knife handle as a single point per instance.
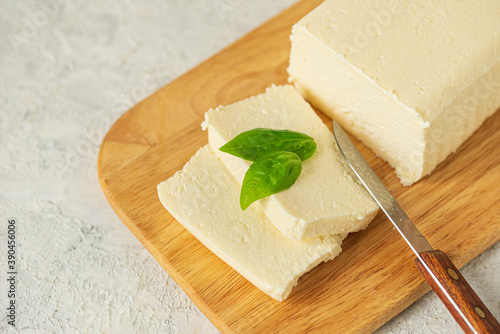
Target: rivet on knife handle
(439, 267)
(462, 302)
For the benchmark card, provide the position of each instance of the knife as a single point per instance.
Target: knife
(442, 275)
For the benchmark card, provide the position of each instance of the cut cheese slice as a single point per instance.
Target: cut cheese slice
(413, 80)
(203, 197)
(326, 198)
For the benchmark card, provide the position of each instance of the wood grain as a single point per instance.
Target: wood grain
(370, 282)
(438, 264)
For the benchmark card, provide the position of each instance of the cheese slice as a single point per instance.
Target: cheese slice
(412, 80)
(204, 198)
(326, 198)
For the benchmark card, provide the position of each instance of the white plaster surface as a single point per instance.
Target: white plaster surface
(68, 70)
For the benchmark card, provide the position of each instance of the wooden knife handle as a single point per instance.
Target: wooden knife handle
(472, 308)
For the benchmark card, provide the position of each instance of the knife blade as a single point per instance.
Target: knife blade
(445, 279)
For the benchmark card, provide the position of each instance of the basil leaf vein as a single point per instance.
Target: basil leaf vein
(253, 144)
(270, 174)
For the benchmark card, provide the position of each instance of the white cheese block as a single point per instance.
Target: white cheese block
(326, 198)
(412, 80)
(204, 198)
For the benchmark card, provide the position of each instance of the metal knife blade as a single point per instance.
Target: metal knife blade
(380, 193)
(458, 296)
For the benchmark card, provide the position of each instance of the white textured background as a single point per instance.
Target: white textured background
(68, 70)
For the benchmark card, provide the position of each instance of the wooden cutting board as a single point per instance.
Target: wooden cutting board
(370, 282)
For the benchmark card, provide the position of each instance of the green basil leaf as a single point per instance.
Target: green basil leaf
(253, 144)
(269, 175)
